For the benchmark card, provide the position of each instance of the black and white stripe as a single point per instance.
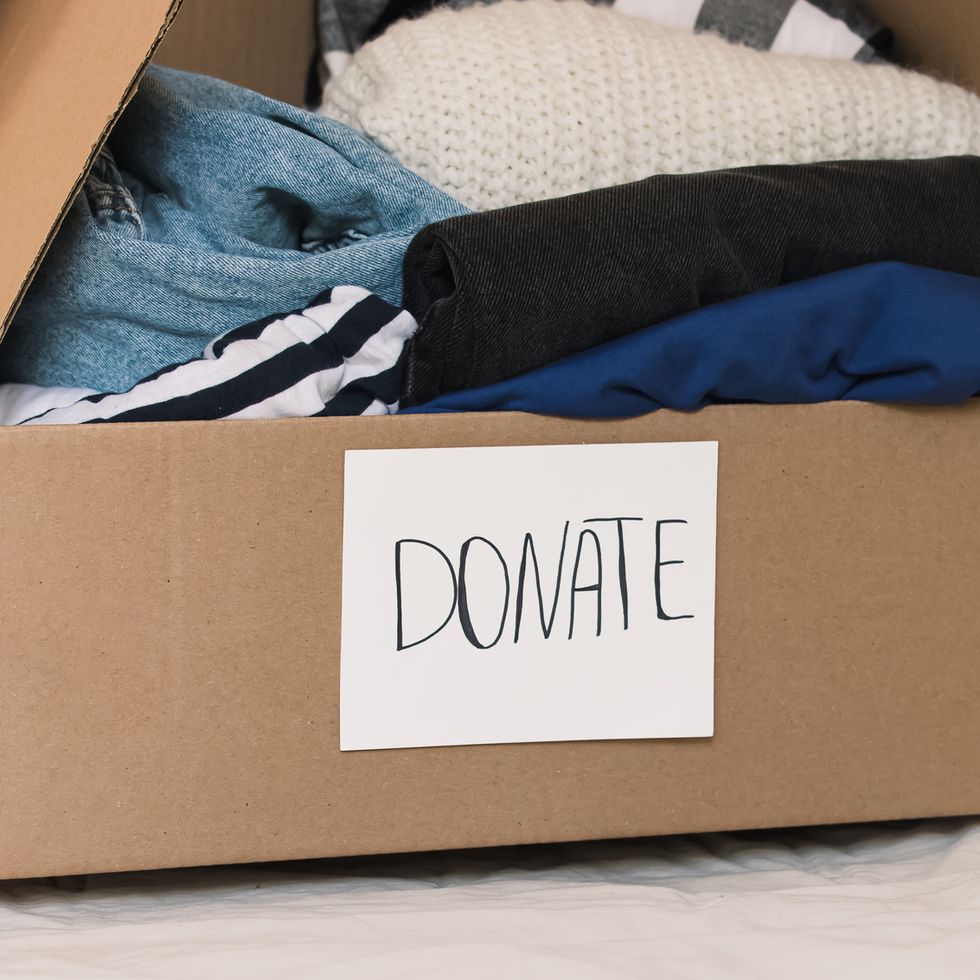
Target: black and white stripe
(341, 355)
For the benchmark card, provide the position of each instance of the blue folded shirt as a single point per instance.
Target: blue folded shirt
(885, 332)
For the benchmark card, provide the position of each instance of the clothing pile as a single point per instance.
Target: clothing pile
(578, 208)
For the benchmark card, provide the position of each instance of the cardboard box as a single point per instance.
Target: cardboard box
(268, 45)
(170, 635)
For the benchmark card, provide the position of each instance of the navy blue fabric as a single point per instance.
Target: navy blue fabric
(885, 332)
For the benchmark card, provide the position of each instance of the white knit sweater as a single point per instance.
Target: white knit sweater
(529, 99)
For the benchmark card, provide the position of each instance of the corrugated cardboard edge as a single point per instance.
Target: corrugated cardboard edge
(93, 153)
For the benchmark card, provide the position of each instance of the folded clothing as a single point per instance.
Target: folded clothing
(524, 100)
(339, 356)
(884, 332)
(503, 292)
(215, 206)
(818, 28)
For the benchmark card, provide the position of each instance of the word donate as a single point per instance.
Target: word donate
(513, 594)
(576, 583)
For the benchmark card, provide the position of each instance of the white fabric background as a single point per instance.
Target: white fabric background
(889, 901)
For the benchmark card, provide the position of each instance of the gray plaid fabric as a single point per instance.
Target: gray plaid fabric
(820, 28)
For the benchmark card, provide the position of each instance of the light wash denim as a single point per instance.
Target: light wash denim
(213, 206)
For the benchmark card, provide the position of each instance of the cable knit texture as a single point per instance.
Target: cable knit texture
(530, 99)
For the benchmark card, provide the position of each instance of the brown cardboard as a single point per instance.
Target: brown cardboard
(171, 643)
(169, 639)
(66, 69)
(267, 45)
(940, 36)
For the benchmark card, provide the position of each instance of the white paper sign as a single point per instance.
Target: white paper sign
(528, 594)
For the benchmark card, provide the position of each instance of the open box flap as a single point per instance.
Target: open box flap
(67, 68)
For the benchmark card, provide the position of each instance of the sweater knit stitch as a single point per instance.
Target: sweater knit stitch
(529, 99)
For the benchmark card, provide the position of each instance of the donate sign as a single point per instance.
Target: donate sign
(533, 593)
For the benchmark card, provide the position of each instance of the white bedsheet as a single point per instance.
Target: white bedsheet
(890, 902)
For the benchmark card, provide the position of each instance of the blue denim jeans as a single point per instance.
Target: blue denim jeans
(213, 206)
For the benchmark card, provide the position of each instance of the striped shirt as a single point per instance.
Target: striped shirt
(342, 355)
